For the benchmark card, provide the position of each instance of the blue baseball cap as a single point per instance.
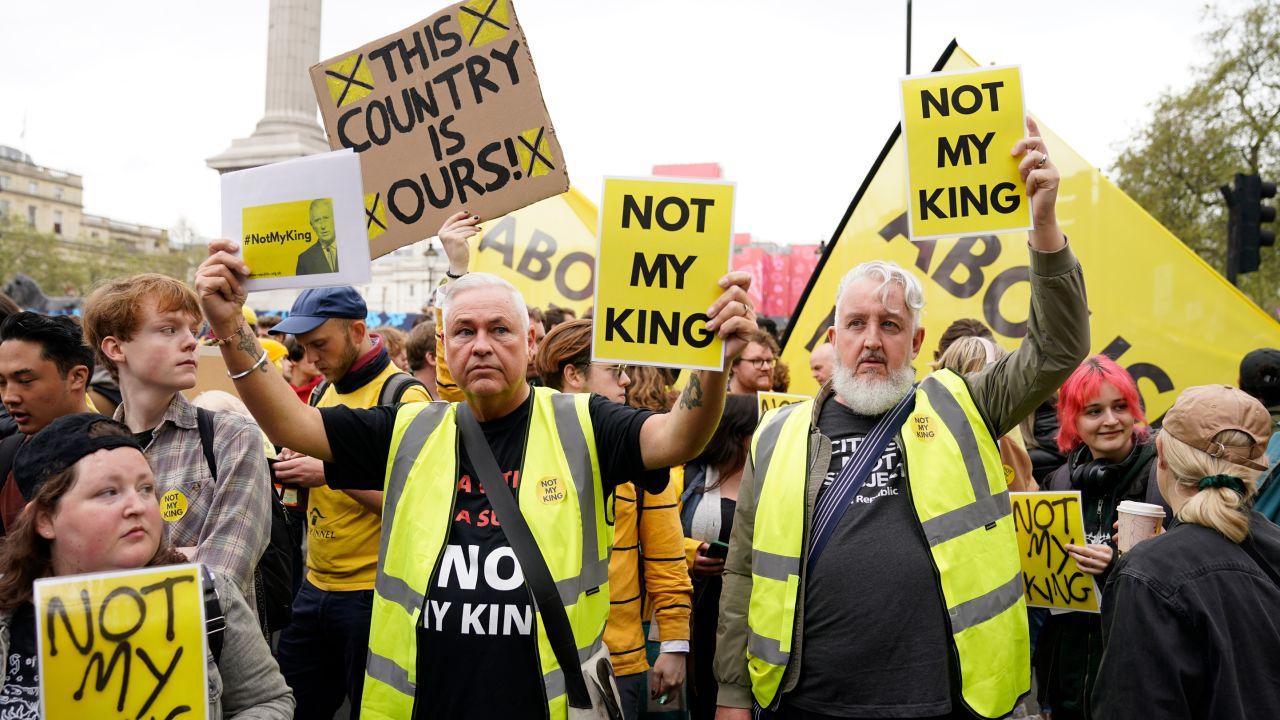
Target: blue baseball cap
(316, 305)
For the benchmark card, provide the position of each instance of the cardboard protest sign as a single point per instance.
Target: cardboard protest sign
(665, 245)
(122, 644)
(1182, 301)
(446, 115)
(547, 251)
(771, 400)
(299, 223)
(1045, 523)
(960, 128)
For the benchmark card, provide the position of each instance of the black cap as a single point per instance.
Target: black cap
(1260, 375)
(61, 444)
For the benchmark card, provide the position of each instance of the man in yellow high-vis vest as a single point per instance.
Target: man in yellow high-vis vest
(454, 632)
(914, 607)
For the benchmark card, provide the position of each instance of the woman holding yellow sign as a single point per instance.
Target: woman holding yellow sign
(92, 508)
(1110, 459)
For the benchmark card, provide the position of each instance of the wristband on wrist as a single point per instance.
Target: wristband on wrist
(222, 341)
(449, 274)
(261, 361)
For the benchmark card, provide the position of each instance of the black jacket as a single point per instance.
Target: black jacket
(1069, 647)
(1192, 628)
(1045, 457)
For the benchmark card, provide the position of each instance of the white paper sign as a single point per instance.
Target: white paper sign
(299, 223)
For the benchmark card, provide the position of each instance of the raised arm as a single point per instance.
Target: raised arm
(678, 436)
(219, 283)
(455, 236)
(1058, 319)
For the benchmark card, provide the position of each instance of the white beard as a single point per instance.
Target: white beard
(871, 395)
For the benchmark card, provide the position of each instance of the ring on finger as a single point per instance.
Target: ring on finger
(1044, 158)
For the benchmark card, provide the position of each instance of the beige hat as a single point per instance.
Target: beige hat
(1201, 412)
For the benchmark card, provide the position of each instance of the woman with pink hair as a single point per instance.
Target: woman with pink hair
(1110, 458)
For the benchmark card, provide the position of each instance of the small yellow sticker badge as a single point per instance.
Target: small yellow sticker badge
(922, 426)
(173, 505)
(550, 490)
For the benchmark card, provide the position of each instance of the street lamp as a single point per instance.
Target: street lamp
(431, 254)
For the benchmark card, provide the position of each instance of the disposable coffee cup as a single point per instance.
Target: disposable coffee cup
(1138, 521)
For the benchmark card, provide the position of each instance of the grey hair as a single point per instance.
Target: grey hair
(888, 273)
(478, 280)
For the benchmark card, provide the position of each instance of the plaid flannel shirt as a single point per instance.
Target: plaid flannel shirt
(227, 520)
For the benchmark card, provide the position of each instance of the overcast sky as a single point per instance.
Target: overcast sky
(793, 99)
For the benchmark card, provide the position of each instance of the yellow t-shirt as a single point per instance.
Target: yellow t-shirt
(342, 535)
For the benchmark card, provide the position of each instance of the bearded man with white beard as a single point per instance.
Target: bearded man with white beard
(883, 581)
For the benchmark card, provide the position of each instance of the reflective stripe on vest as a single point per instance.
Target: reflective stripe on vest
(968, 526)
(560, 498)
(776, 543)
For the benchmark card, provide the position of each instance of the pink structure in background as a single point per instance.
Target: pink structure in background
(779, 273)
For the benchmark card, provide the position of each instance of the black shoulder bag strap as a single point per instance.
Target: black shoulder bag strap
(396, 386)
(536, 572)
(317, 392)
(204, 421)
(835, 500)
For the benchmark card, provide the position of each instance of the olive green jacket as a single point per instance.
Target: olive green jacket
(1005, 392)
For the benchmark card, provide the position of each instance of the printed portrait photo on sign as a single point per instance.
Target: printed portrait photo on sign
(293, 238)
(300, 223)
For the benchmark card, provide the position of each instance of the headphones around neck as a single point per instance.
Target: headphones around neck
(1095, 475)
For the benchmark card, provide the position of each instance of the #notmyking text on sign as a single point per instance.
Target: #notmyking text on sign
(299, 222)
(961, 176)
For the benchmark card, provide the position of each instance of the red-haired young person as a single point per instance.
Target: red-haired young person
(1110, 458)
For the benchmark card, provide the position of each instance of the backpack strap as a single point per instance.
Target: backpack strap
(396, 386)
(317, 392)
(8, 451)
(215, 623)
(204, 421)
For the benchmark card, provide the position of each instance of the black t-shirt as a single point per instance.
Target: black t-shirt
(20, 697)
(875, 639)
(478, 622)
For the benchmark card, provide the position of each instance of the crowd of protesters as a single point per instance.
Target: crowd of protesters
(674, 554)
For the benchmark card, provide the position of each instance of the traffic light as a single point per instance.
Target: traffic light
(1246, 213)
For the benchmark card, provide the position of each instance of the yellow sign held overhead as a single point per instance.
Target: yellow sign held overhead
(100, 625)
(667, 244)
(960, 128)
(1166, 316)
(1046, 522)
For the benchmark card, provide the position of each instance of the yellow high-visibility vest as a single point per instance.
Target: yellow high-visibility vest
(560, 499)
(957, 488)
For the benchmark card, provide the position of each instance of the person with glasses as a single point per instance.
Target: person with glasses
(752, 370)
(648, 547)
